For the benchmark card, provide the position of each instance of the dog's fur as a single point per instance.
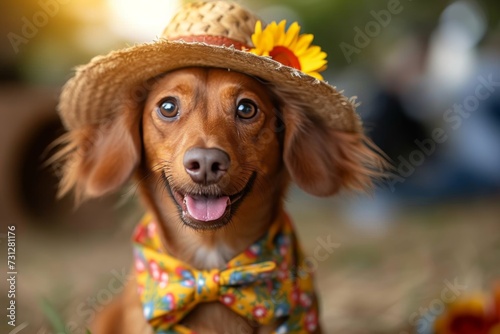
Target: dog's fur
(282, 143)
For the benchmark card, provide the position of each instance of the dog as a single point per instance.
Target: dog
(212, 151)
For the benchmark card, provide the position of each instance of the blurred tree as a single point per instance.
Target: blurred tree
(333, 22)
(78, 29)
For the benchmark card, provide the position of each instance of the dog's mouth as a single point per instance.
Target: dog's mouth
(203, 210)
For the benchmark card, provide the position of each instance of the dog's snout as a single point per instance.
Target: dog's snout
(206, 165)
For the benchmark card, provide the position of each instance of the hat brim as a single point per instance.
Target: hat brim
(96, 91)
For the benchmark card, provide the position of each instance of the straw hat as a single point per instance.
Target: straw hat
(208, 34)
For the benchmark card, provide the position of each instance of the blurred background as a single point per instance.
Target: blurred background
(428, 76)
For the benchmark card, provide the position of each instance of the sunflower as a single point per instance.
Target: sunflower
(289, 47)
(476, 314)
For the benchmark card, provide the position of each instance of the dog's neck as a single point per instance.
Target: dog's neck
(212, 249)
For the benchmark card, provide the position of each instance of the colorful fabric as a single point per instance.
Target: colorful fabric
(263, 284)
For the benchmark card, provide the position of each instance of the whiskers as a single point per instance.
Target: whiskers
(154, 176)
(263, 182)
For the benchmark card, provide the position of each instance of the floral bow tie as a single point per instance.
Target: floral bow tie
(257, 284)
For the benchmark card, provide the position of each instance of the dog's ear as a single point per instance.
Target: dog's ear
(322, 160)
(97, 160)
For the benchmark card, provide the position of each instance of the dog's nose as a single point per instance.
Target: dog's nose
(206, 165)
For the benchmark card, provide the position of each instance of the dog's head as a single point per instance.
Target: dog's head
(210, 136)
(212, 144)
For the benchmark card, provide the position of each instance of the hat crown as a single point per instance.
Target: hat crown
(208, 34)
(212, 18)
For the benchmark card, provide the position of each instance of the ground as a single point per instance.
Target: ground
(386, 278)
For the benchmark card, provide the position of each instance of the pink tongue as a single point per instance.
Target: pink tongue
(206, 208)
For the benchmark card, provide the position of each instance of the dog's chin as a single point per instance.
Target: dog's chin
(205, 211)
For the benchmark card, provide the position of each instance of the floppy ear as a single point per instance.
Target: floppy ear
(323, 161)
(97, 160)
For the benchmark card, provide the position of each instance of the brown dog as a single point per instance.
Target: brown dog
(213, 133)
(227, 115)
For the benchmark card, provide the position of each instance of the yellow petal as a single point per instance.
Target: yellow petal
(303, 42)
(255, 51)
(257, 35)
(258, 27)
(267, 41)
(281, 33)
(316, 75)
(272, 28)
(312, 65)
(313, 51)
(292, 35)
(321, 56)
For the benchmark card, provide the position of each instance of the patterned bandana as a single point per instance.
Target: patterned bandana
(263, 284)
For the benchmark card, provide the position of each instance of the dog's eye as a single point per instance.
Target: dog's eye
(168, 109)
(246, 109)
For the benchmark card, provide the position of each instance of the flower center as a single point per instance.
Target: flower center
(285, 56)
